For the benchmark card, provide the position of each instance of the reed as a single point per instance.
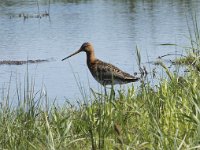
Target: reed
(192, 59)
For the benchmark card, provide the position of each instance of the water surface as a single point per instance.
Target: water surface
(114, 27)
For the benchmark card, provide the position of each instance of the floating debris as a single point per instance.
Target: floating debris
(21, 62)
(26, 16)
(168, 44)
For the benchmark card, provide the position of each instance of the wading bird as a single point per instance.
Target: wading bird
(104, 73)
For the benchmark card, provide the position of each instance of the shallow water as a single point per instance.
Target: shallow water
(114, 27)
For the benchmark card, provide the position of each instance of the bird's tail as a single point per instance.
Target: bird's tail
(132, 79)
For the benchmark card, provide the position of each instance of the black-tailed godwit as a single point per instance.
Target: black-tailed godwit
(104, 73)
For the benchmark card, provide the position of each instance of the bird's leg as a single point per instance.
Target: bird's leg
(105, 92)
(112, 93)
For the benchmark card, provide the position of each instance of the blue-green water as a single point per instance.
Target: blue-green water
(114, 27)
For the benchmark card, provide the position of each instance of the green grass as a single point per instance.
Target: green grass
(166, 116)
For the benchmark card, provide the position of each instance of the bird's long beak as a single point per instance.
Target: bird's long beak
(78, 51)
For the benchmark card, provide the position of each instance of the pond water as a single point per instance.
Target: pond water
(115, 28)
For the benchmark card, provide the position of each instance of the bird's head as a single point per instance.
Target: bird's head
(86, 47)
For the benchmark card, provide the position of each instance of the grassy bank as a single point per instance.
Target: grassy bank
(166, 116)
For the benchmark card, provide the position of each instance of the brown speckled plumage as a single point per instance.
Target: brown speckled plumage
(104, 73)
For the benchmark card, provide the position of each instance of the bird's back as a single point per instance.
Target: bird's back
(107, 74)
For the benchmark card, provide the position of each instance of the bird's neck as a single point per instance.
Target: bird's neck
(90, 57)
